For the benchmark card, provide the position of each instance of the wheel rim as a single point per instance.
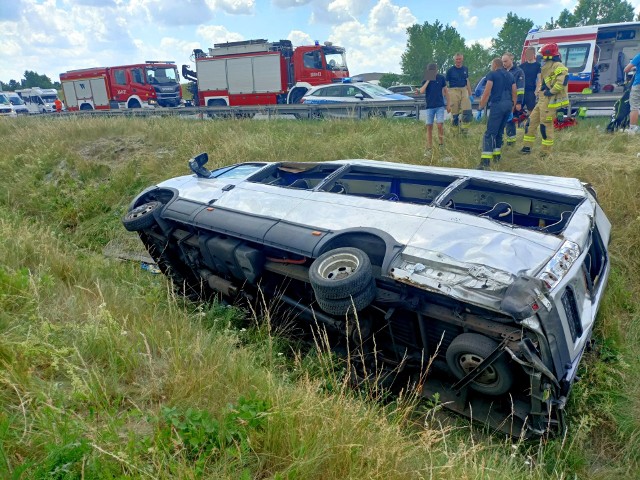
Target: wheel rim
(338, 267)
(469, 361)
(140, 211)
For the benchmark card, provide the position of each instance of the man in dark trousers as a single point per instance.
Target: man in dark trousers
(531, 68)
(501, 95)
(518, 77)
(460, 93)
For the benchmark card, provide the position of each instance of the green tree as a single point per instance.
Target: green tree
(429, 43)
(33, 79)
(511, 36)
(594, 12)
(477, 59)
(389, 79)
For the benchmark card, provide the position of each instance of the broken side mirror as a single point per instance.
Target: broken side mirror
(196, 164)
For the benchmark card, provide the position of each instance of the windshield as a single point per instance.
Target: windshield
(16, 100)
(374, 90)
(162, 75)
(4, 100)
(49, 98)
(336, 59)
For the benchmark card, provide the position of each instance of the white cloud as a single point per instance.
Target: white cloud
(484, 41)
(234, 7)
(454, 24)
(378, 44)
(217, 34)
(298, 37)
(498, 22)
(290, 3)
(468, 20)
(391, 18)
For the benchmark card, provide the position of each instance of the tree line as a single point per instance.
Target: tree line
(436, 42)
(31, 79)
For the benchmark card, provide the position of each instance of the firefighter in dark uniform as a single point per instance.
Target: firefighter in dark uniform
(518, 77)
(460, 93)
(501, 94)
(553, 96)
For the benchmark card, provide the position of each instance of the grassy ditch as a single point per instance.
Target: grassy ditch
(104, 373)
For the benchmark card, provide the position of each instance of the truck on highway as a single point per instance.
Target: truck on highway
(144, 85)
(259, 72)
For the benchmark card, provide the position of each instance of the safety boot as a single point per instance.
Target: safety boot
(485, 164)
(525, 150)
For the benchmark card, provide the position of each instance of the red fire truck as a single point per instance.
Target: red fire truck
(143, 85)
(258, 72)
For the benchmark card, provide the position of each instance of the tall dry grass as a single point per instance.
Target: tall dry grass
(105, 374)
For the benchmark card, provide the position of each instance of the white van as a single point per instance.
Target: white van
(39, 100)
(17, 102)
(6, 109)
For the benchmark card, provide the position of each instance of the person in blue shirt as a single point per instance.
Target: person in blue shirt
(518, 77)
(501, 93)
(634, 98)
(435, 90)
(531, 68)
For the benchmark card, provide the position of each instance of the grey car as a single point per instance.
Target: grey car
(481, 286)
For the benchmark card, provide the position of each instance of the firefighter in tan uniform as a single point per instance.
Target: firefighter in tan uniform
(460, 94)
(552, 97)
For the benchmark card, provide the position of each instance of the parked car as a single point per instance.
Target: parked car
(496, 277)
(18, 104)
(357, 94)
(6, 109)
(412, 91)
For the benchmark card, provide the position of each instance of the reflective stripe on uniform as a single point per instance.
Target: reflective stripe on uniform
(496, 152)
(486, 155)
(511, 139)
(561, 103)
(547, 142)
(549, 119)
(520, 91)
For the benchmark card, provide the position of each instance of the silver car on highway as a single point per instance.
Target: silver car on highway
(482, 287)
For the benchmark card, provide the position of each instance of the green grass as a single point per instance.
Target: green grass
(104, 373)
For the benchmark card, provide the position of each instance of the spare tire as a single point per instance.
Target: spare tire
(340, 273)
(351, 304)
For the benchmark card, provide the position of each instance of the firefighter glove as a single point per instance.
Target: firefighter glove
(547, 93)
(479, 115)
(471, 98)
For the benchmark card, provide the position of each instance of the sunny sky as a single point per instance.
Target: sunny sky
(53, 36)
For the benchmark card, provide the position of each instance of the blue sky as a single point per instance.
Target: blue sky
(52, 36)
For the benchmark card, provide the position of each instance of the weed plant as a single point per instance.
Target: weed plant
(104, 373)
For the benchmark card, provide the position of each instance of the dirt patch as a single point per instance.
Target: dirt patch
(112, 150)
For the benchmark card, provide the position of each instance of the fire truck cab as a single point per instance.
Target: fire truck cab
(258, 72)
(595, 55)
(145, 85)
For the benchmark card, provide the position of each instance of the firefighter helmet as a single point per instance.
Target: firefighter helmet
(549, 51)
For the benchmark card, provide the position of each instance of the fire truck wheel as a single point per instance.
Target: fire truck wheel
(467, 351)
(141, 217)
